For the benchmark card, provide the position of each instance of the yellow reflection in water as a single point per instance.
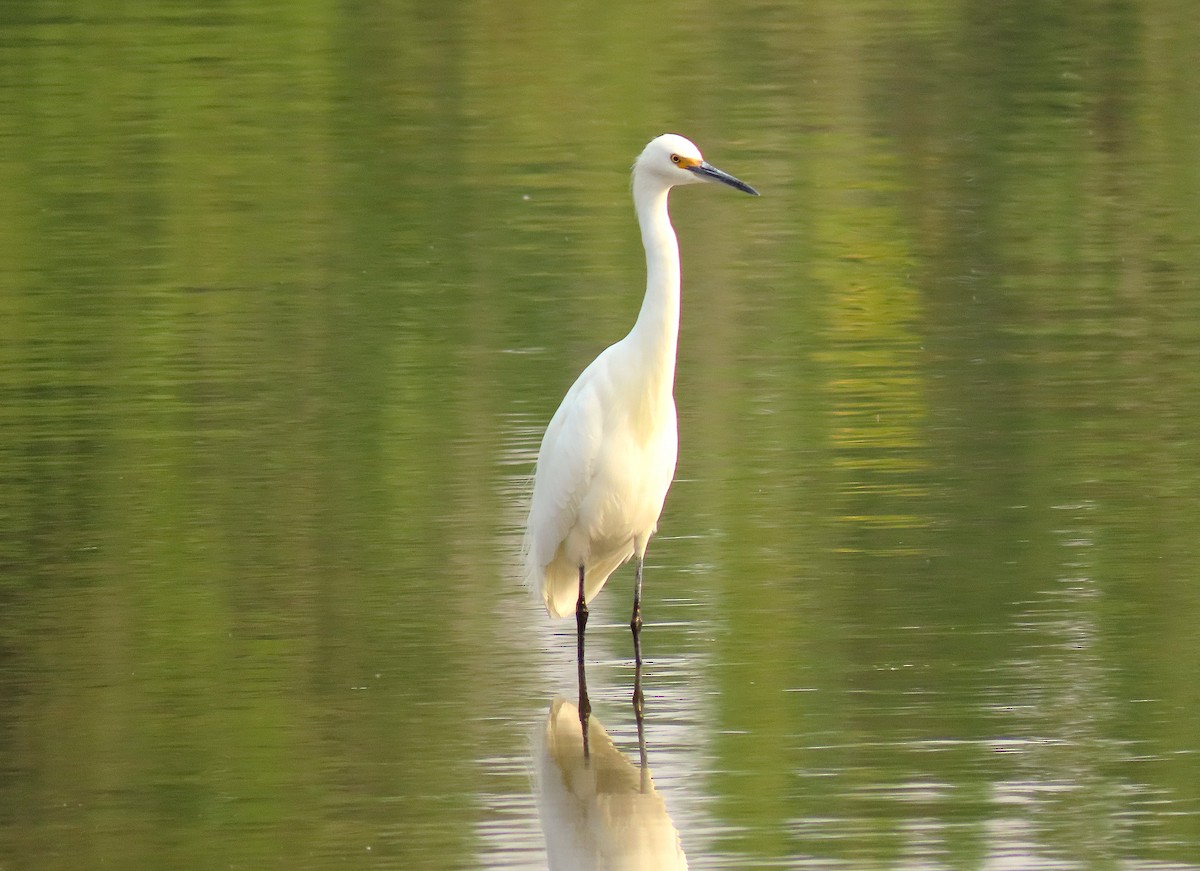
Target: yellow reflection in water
(878, 407)
(599, 810)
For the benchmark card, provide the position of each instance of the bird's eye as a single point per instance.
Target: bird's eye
(674, 158)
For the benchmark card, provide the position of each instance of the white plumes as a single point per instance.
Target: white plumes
(608, 455)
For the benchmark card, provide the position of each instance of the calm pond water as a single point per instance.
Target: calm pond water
(289, 291)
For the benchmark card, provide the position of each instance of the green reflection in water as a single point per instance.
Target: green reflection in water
(289, 290)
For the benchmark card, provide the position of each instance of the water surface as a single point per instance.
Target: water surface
(289, 292)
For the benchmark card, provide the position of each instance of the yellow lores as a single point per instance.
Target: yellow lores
(608, 455)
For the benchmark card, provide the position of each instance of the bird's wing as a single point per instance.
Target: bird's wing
(565, 465)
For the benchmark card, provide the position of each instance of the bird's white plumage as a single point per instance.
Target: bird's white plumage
(604, 468)
(608, 455)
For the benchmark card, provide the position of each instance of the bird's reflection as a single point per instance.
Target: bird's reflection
(599, 810)
(585, 704)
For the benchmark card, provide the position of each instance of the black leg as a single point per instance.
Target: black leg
(581, 610)
(635, 622)
(581, 618)
(585, 703)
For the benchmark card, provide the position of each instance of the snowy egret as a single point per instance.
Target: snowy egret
(608, 455)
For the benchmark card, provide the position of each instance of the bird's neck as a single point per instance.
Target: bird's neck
(657, 329)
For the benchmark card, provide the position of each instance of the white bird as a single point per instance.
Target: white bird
(608, 456)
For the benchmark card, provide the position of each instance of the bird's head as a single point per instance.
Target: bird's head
(674, 160)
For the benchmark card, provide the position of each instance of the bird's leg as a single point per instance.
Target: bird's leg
(585, 704)
(635, 622)
(581, 616)
(638, 698)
